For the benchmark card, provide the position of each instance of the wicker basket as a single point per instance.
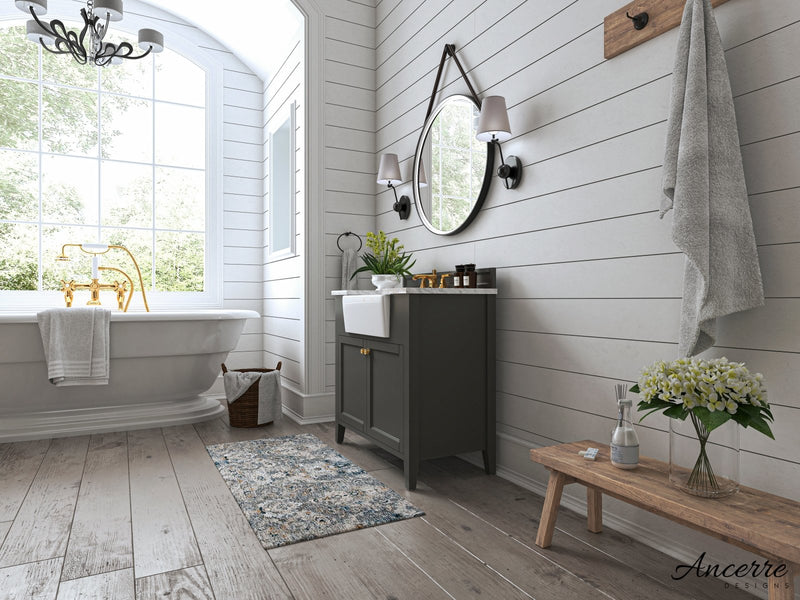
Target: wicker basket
(244, 412)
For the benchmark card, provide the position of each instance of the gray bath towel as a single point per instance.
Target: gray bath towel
(704, 183)
(348, 268)
(76, 345)
(269, 391)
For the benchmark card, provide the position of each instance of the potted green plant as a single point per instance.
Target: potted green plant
(387, 261)
(702, 397)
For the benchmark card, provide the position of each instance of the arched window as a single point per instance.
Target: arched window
(114, 155)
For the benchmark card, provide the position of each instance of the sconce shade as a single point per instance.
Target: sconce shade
(423, 180)
(389, 170)
(493, 121)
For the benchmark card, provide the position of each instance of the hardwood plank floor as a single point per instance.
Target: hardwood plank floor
(184, 584)
(31, 581)
(4, 527)
(100, 540)
(41, 527)
(359, 564)
(19, 463)
(238, 568)
(114, 585)
(154, 500)
(162, 533)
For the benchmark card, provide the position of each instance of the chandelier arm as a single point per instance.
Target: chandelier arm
(46, 26)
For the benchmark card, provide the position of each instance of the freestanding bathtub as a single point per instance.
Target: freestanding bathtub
(160, 364)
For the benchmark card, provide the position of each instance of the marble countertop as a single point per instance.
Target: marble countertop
(415, 290)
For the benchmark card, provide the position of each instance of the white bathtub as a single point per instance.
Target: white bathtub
(160, 364)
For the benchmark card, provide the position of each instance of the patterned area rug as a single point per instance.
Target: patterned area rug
(295, 488)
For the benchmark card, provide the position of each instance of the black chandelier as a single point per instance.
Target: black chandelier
(57, 39)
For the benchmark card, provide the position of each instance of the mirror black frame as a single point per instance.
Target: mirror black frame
(487, 175)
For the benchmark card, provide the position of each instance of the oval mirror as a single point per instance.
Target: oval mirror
(452, 169)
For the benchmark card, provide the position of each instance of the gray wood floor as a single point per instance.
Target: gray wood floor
(145, 514)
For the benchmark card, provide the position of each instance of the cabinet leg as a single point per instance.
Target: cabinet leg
(339, 433)
(411, 468)
(489, 461)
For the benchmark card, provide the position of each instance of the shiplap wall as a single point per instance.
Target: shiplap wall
(284, 314)
(241, 147)
(589, 280)
(349, 142)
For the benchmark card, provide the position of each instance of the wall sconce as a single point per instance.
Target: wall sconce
(388, 175)
(493, 127)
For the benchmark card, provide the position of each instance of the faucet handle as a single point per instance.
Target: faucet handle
(444, 275)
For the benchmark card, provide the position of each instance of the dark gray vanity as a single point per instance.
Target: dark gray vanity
(427, 390)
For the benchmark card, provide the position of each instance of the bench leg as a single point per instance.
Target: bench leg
(594, 510)
(782, 588)
(552, 499)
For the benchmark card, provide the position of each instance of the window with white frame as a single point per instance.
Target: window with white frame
(115, 155)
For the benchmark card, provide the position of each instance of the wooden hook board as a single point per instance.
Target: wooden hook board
(619, 34)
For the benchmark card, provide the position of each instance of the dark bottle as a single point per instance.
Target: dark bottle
(470, 276)
(458, 277)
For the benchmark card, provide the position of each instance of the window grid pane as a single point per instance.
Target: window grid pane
(77, 152)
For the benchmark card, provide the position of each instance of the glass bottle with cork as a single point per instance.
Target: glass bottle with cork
(624, 441)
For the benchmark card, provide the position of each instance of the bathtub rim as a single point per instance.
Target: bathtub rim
(165, 315)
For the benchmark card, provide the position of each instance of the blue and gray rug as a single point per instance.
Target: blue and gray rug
(295, 488)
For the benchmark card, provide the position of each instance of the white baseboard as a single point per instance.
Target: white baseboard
(301, 408)
(677, 548)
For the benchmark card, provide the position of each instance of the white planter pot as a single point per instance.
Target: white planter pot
(386, 281)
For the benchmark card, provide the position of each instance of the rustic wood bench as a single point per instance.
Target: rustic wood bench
(762, 523)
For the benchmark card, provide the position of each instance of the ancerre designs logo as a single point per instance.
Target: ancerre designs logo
(740, 571)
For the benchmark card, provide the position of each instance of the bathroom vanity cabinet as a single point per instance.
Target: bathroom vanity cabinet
(427, 390)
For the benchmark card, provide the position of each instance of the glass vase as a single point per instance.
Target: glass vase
(704, 463)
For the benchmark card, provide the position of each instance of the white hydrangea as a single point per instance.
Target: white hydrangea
(716, 384)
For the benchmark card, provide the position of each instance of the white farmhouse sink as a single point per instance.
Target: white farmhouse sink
(367, 315)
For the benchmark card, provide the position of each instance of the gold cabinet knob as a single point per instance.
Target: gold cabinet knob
(365, 351)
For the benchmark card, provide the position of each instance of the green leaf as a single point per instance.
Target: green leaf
(676, 411)
(635, 388)
(711, 420)
(761, 426)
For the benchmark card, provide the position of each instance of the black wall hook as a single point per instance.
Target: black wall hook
(639, 21)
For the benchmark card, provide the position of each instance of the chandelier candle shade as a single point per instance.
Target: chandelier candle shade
(57, 39)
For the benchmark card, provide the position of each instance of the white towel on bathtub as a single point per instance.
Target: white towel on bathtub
(269, 391)
(76, 345)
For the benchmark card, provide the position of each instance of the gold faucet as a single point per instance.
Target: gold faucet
(441, 280)
(95, 286)
(426, 278)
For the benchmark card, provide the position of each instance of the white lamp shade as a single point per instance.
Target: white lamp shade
(150, 38)
(110, 8)
(38, 6)
(35, 33)
(493, 121)
(389, 170)
(423, 180)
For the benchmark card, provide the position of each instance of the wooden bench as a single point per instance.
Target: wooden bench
(762, 523)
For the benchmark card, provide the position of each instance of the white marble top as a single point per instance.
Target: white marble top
(414, 290)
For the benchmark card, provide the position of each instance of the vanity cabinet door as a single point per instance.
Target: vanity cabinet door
(351, 381)
(385, 385)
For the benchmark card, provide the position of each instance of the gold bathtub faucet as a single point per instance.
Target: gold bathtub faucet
(95, 287)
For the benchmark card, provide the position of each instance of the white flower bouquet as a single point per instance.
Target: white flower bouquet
(709, 392)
